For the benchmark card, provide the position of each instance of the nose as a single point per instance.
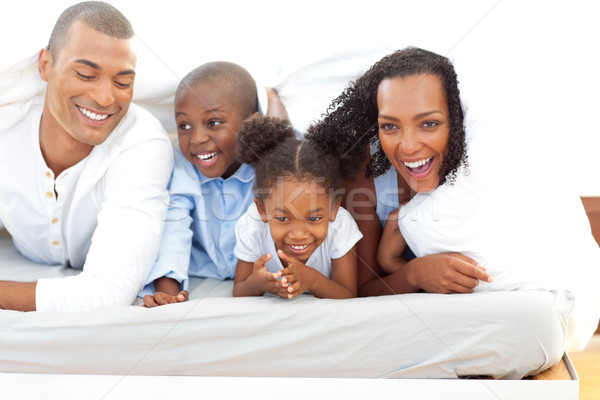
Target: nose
(297, 231)
(199, 136)
(410, 142)
(102, 93)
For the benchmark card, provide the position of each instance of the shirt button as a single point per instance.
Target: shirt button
(54, 220)
(49, 195)
(230, 257)
(54, 243)
(48, 174)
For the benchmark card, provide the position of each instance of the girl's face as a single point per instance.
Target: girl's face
(298, 214)
(414, 128)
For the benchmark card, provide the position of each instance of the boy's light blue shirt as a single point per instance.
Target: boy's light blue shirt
(199, 234)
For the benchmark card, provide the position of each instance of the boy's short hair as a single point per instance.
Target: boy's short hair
(229, 76)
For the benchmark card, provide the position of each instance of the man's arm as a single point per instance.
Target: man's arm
(18, 296)
(127, 237)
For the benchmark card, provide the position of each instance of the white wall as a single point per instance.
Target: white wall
(532, 67)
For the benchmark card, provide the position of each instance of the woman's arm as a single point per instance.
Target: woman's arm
(391, 245)
(438, 273)
(360, 199)
(344, 273)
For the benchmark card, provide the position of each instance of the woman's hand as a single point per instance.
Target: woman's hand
(446, 273)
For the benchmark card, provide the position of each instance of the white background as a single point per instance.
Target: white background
(532, 67)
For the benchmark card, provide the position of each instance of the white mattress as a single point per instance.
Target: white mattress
(501, 334)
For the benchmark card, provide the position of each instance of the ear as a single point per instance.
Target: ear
(261, 209)
(335, 208)
(44, 64)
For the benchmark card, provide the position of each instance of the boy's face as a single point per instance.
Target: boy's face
(298, 214)
(208, 120)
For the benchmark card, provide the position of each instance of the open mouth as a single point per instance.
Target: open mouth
(298, 248)
(207, 157)
(419, 167)
(92, 115)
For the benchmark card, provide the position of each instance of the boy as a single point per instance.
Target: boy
(209, 188)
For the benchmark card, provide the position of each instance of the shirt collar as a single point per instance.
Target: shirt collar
(245, 174)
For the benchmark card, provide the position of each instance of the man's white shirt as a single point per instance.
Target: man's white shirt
(104, 214)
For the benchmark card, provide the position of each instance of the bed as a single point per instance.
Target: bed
(243, 345)
(500, 334)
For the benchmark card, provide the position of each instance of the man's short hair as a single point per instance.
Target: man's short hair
(97, 15)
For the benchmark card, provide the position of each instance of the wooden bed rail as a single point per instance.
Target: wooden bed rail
(592, 208)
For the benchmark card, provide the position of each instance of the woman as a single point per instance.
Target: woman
(404, 112)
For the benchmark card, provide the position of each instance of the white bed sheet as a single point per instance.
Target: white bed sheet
(502, 334)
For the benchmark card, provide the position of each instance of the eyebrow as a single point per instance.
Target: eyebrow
(316, 210)
(215, 110)
(97, 67)
(416, 117)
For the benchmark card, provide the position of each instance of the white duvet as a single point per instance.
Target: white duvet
(504, 334)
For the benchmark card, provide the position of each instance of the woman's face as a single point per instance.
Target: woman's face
(414, 127)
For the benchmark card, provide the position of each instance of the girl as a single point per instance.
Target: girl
(295, 237)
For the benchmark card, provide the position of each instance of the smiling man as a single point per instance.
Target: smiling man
(84, 174)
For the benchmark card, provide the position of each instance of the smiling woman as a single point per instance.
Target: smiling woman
(413, 113)
(432, 218)
(414, 128)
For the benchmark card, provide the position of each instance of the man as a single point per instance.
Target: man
(83, 175)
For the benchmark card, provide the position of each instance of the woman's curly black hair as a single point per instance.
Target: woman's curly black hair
(271, 147)
(351, 121)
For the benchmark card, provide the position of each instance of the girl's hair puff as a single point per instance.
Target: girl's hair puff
(271, 147)
(351, 121)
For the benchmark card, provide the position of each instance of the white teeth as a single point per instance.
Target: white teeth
(299, 247)
(417, 164)
(206, 156)
(91, 115)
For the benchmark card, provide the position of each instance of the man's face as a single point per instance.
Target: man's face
(90, 84)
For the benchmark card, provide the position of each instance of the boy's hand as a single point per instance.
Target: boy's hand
(161, 298)
(297, 277)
